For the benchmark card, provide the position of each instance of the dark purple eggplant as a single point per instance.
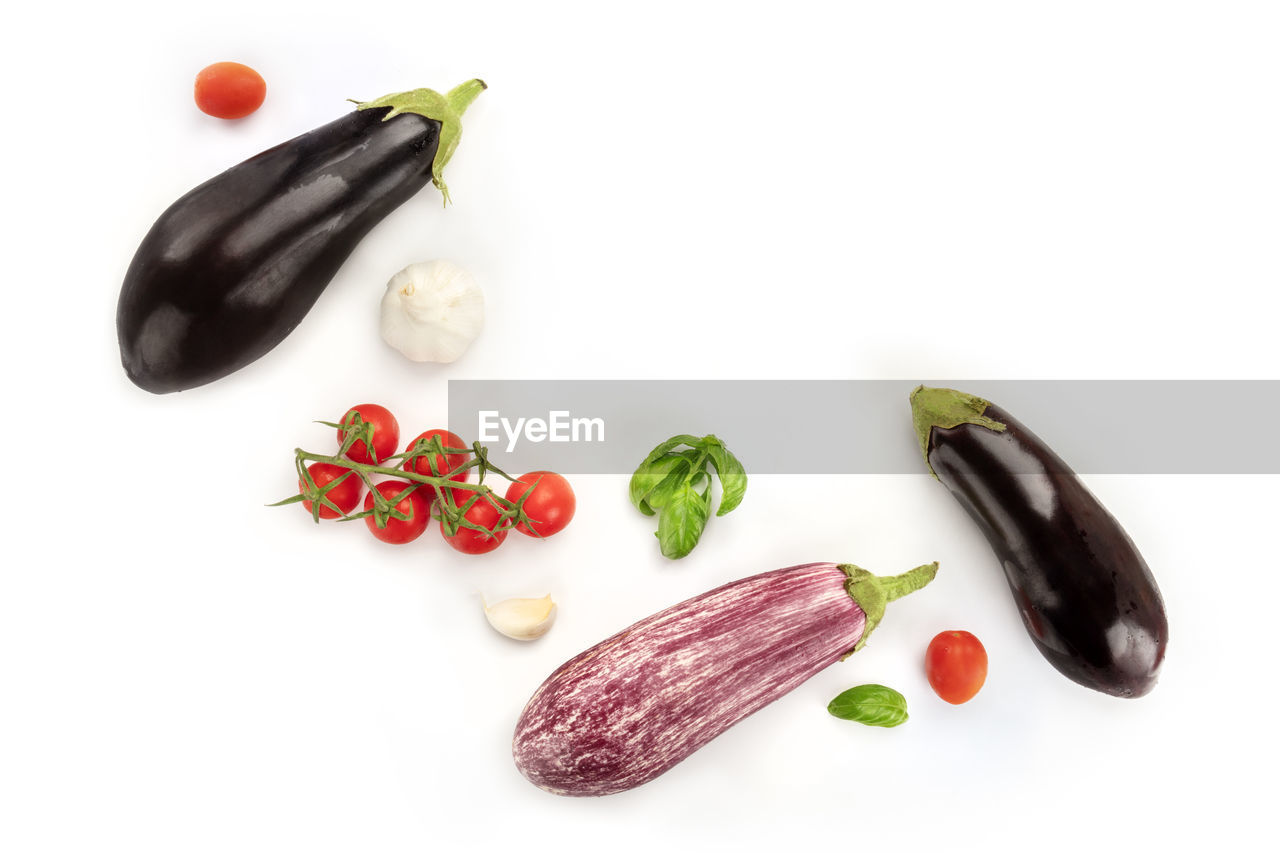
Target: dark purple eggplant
(1086, 595)
(232, 267)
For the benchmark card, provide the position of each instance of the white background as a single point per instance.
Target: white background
(794, 190)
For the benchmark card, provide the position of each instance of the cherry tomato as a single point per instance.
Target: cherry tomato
(956, 666)
(386, 433)
(550, 505)
(229, 90)
(416, 505)
(439, 465)
(344, 494)
(483, 512)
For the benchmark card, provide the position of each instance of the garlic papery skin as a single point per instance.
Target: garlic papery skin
(522, 619)
(432, 311)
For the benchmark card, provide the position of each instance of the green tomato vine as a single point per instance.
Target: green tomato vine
(449, 511)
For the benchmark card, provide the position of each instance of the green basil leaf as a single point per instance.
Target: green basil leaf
(733, 477)
(872, 704)
(681, 522)
(677, 476)
(646, 479)
(670, 444)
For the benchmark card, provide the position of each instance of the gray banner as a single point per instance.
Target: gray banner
(864, 426)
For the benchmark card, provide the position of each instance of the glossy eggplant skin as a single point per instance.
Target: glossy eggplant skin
(1086, 595)
(232, 267)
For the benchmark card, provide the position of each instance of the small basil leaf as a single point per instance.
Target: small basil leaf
(733, 477)
(642, 482)
(670, 444)
(681, 523)
(677, 475)
(872, 704)
(647, 477)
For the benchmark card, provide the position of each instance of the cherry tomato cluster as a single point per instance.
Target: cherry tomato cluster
(474, 519)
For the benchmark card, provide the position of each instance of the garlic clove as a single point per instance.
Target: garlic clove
(522, 618)
(432, 311)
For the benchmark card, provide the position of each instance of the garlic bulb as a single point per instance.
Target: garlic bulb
(432, 311)
(522, 618)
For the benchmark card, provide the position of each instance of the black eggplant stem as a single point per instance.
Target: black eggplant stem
(946, 409)
(446, 109)
(463, 94)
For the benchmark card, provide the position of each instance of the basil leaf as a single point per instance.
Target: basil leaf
(733, 477)
(646, 479)
(671, 444)
(682, 520)
(678, 474)
(872, 704)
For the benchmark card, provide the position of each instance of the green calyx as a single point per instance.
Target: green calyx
(446, 109)
(872, 592)
(945, 408)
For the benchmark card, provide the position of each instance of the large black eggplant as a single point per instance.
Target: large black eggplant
(230, 269)
(1086, 595)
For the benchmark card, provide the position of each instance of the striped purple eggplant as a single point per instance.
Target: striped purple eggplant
(633, 706)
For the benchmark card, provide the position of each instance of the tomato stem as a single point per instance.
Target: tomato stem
(452, 515)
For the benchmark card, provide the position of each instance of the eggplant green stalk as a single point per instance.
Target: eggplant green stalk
(945, 408)
(446, 109)
(872, 592)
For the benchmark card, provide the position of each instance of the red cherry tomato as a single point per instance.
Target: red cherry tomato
(415, 505)
(344, 494)
(386, 433)
(483, 512)
(550, 504)
(956, 666)
(229, 90)
(438, 465)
